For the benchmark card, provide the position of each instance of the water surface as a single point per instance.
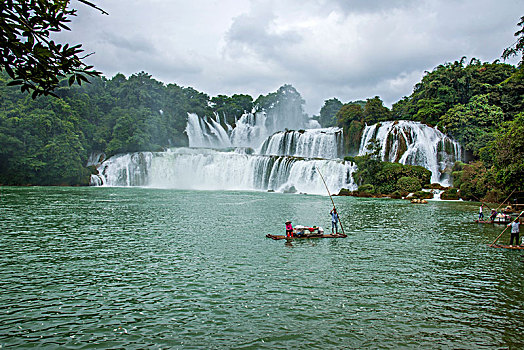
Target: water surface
(149, 268)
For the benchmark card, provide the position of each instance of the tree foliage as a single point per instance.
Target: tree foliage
(286, 101)
(48, 140)
(375, 111)
(328, 112)
(408, 184)
(505, 154)
(518, 46)
(448, 85)
(473, 124)
(348, 113)
(28, 54)
(386, 177)
(231, 108)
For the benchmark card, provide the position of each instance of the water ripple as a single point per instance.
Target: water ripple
(142, 268)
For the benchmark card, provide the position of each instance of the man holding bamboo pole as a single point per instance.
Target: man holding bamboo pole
(512, 236)
(514, 231)
(334, 220)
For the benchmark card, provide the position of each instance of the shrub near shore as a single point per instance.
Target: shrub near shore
(384, 179)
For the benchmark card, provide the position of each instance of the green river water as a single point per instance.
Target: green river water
(148, 268)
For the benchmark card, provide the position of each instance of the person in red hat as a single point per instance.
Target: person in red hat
(289, 229)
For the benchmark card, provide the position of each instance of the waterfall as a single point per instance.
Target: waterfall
(250, 130)
(221, 157)
(253, 155)
(131, 169)
(208, 169)
(315, 143)
(413, 143)
(95, 158)
(203, 132)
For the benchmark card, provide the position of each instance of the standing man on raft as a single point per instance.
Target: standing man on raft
(334, 220)
(514, 232)
(481, 214)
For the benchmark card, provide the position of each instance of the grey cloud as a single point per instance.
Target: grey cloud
(133, 44)
(252, 33)
(371, 6)
(349, 49)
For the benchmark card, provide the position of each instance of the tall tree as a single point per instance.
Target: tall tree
(231, 108)
(27, 52)
(473, 124)
(328, 112)
(518, 46)
(348, 113)
(375, 111)
(285, 108)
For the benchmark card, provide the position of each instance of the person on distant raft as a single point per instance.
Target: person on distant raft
(514, 231)
(493, 215)
(481, 215)
(289, 229)
(334, 220)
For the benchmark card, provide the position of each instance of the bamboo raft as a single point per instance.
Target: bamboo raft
(505, 246)
(500, 222)
(333, 235)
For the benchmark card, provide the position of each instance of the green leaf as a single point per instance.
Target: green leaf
(15, 82)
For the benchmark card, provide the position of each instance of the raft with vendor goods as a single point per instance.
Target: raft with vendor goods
(305, 232)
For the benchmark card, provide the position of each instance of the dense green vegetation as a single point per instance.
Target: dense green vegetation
(481, 105)
(375, 177)
(47, 140)
(328, 112)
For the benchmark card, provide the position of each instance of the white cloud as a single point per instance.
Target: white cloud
(325, 48)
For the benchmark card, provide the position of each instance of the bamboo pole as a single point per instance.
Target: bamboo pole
(481, 202)
(325, 184)
(496, 239)
(505, 200)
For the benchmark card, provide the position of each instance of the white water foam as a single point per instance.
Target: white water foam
(207, 169)
(311, 143)
(413, 143)
(252, 156)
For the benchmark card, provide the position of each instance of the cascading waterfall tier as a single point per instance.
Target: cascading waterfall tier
(95, 159)
(413, 143)
(251, 130)
(312, 143)
(130, 169)
(251, 156)
(208, 169)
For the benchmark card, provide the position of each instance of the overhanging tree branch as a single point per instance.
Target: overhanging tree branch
(29, 56)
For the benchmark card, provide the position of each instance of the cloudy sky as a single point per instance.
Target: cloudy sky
(348, 49)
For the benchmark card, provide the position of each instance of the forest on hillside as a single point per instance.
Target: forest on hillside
(481, 105)
(47, 140)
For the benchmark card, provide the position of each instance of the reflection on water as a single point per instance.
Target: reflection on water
(142, 268)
